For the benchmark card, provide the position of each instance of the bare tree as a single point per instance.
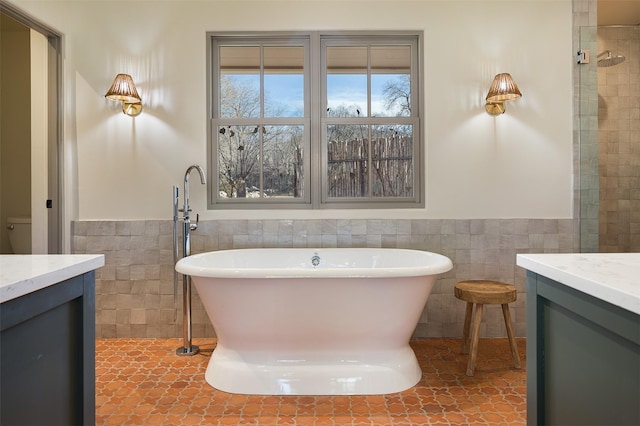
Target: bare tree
(238, 98)
(256, 160)
(397, 94)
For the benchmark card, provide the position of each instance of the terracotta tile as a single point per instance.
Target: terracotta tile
(361, 421)
(456, 418)
(493, 417)
(360, 409)
(377, 410)
(156, 419)
(287, 410)
(375, 399)
(229, 420)
(342, 409)
(142, 382)
(251, 410)
(324, 421)
(232, 411)
(269, 410)
(324, 409)
(342, 420)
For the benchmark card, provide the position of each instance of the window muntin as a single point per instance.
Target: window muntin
(357, 120)
(261, 138)
(358, 168)
(260, 162)
(347, 69)
(370, 121)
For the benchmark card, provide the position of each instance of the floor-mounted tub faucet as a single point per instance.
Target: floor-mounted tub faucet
(187, 348)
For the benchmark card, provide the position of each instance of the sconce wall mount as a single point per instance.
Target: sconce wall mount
(503, 89)
(124, 90)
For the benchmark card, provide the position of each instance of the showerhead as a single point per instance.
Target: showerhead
(609, 60)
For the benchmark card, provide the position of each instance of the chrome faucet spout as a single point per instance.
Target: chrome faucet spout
(187, 209)
(203, 180)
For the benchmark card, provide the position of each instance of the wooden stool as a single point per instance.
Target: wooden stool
(481, 292)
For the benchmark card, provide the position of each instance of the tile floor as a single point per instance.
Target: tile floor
(143, 382)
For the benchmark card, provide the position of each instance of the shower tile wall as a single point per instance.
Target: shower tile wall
(619, 141)
(135, 295)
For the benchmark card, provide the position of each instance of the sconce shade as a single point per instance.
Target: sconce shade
(503, 89)
(124, 90)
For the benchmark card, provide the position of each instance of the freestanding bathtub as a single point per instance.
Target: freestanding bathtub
(328, 321)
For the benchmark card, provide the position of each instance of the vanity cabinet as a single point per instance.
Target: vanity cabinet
(583, 353)
(47, 355)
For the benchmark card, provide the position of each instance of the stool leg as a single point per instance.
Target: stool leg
(467, 326)
(511, 334)
(477, 318)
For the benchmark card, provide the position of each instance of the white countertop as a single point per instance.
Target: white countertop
(23, 274)
(612, 277)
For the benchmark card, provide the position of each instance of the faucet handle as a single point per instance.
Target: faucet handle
(194, 226)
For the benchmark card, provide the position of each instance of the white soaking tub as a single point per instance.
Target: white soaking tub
(328, 321)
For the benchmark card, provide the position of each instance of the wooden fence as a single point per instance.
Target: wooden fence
(391, 167)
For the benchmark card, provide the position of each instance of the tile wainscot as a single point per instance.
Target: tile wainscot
(583, 338)
(47, 339)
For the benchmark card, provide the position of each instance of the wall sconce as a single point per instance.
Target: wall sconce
(125, 91)
(502, 89)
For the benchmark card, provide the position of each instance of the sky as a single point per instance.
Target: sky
(348, 90)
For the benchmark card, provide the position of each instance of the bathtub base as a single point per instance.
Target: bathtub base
(302, 373)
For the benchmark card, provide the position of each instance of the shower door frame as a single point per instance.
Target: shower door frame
(588, 173)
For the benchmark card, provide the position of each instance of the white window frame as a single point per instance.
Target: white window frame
(315, 119)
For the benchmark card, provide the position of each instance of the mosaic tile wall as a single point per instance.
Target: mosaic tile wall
(619, 141)
(135, 294)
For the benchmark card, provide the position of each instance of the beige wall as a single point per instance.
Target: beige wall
(495, 185)
(518, 165)
(15, 137)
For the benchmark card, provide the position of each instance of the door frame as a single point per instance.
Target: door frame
(54, 201)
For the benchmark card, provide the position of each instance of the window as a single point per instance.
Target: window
(315, 121)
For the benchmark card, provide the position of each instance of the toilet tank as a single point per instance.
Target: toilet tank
(19, 230)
